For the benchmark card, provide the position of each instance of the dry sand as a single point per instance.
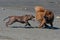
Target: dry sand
(17, 31)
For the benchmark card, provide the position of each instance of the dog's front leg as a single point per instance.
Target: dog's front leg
(42, 23)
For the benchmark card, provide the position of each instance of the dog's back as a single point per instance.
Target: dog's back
(39, 12)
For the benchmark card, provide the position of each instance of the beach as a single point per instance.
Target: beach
(18, 31)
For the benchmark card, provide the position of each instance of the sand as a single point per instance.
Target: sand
(17, 31)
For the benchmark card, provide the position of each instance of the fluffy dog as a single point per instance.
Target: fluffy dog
(44, 16)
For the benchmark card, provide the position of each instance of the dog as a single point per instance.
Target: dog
(21, 19)
(44, 16)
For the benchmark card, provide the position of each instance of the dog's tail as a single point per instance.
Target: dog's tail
(6, 18)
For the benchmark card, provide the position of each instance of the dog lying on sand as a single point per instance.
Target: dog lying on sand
(44, 16)
(21, 19)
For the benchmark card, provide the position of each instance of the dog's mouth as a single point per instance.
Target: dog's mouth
(33, 19)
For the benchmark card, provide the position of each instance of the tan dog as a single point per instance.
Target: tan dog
(20, 19)
(44, 16)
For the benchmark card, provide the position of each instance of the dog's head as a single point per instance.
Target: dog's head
(30, 17)
(49, 15)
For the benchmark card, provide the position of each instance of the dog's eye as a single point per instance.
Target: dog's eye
(50, 13)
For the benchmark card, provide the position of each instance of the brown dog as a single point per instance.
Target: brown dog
(20, 19)
(44, 16)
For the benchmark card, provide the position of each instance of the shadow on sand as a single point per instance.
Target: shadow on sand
(55, 28)
(22, 27)
(48, 27)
